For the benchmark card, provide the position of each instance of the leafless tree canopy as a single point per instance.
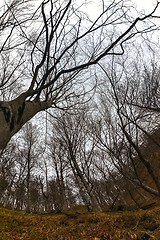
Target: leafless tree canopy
(44, 52)
(101, 95)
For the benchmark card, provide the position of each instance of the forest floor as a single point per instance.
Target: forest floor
(127, 225)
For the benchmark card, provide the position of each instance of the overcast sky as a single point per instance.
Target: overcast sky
(145, 4)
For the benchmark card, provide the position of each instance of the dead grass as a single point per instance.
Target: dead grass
(80, 226)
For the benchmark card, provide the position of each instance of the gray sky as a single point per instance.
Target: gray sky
(93, 6)
(145, 4)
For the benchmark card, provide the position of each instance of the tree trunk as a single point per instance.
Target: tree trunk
(14, 114)
(63, 205)
(87, 186)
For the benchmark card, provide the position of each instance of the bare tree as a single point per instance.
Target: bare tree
(126, 144)
(60, 165)
(70, 130)
(49, 60)
(30, 151)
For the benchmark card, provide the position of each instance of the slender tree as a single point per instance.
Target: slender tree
(30, 152)
(72, 133)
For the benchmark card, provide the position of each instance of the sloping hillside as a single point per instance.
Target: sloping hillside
(141, 224)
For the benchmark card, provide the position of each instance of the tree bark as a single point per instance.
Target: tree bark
(14, 114)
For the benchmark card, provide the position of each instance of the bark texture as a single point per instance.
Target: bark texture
(14, 114)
